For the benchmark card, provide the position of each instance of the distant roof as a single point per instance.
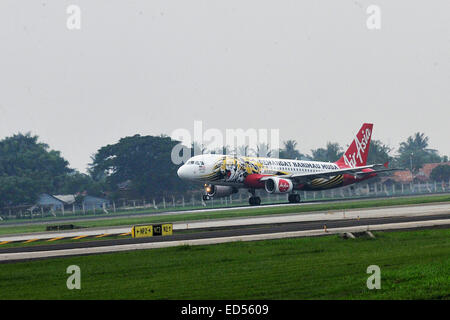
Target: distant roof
(428, 167)
(67, 198)
(404, 176)
(125, 185)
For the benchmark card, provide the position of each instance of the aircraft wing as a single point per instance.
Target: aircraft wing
(356, 171)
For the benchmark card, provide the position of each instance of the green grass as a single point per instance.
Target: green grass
(238, 213)
(414, 265)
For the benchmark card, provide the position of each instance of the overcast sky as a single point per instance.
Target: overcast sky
(311, 69)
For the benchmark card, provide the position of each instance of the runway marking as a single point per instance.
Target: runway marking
(102, 235)
(5, 242)
(80, 237)
(31, 240)
(125, 234)
(57, 238)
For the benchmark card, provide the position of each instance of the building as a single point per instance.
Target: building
(425, 172)
(90, 202)
(55, 202)
(406, 176)
(403, 176)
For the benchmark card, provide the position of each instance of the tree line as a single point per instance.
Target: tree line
(139, 167)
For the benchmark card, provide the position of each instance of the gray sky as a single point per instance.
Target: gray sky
(309, 68)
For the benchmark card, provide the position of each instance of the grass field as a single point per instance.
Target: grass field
(330, 206)
(414, 265)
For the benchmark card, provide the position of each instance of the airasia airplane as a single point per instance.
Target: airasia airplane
(223, 175)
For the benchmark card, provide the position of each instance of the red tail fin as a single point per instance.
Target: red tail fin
(356, 154)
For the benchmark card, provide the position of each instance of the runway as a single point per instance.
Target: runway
(172, 212)
(383, 212)
(251, 229)
(191, 211)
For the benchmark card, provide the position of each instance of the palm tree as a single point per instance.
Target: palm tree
(242, 151)
(331, 153)
(263, 150)
(414, 152)
(418, 142)
(290, 150)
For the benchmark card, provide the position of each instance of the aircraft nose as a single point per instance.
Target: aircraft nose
(182, 172)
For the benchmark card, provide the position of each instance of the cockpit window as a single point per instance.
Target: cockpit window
(199, 163)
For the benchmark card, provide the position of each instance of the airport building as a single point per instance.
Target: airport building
(58, 202)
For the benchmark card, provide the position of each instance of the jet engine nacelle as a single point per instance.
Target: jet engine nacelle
(220, 191)
(278, 185)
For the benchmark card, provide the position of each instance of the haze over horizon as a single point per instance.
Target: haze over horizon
(315, 72)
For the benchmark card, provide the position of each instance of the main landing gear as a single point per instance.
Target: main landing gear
(254, 200)
(294, 198)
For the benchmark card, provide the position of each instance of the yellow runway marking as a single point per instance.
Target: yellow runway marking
(55, 239)
(31, 240)
(79, 237)
(102, 235)
(125, 234)
(5, 242)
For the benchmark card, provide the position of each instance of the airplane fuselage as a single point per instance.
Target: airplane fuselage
(246, 172)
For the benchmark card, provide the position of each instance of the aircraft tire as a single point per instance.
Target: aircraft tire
(254, 201)
(294, 198)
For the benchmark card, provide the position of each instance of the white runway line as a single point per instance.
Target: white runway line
(270, 236)
(384, 212)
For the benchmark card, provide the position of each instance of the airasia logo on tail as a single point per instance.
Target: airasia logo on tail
(352, 157)
(283, 185)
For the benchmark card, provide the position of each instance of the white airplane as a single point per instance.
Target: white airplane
(223, 175)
